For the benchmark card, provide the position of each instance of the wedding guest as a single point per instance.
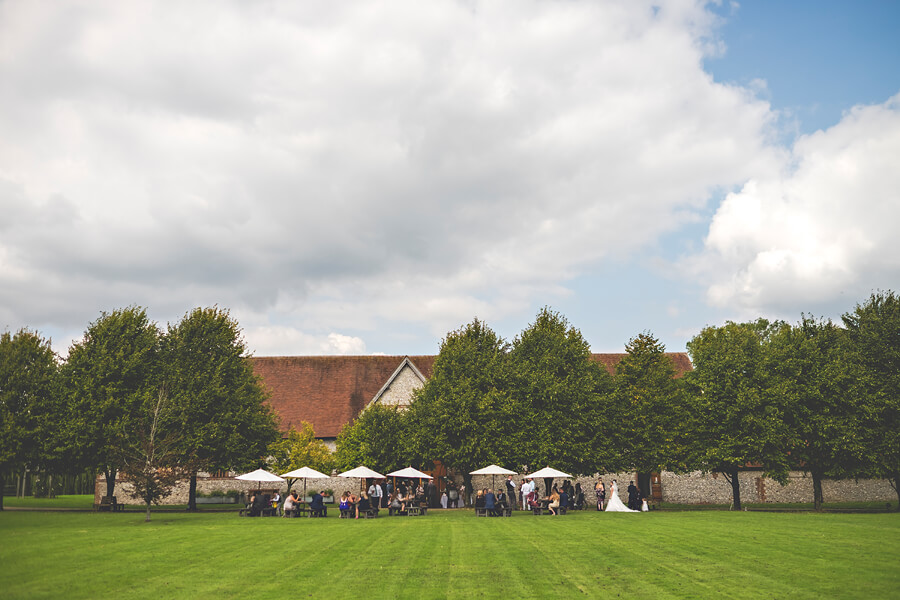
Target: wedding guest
(363, 504)
(317, 505)
(600, 490)
(288, 507)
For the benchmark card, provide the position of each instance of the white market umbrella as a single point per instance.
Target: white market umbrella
(260, 476)
(410, 473)
(548, 473)
(361, 472)
(304, 473)
(493, 471)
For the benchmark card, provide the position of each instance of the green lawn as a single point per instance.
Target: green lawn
(450, 554)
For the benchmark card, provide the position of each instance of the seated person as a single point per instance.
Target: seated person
(479, 499)
(554, 503)
(276, 499)
(288, 504)
(363, 504)
(490, 501)
(345, 504)
(317, 504)
(563, 499)
(501, 501)
(395, 504)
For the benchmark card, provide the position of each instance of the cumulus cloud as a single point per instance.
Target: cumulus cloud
(322, 167)
(818, 233)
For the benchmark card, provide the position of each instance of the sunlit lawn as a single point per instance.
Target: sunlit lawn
(450, 554)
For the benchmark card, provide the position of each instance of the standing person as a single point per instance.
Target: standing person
(510, 488)
(462, 494)
(375, 495)
(633, 502)
(384, 494)
(522, 494)
(600, 490)
(578, 498)
(453, 496)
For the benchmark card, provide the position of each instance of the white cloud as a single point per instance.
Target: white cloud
(821, 230)
(337, 166)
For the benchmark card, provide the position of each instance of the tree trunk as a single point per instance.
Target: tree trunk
(147, 518)
(110, 482)
(818, 499)
(467, 481)
(548, 485)
(2, 484)
(192, 493)
(50, 493)
(732, 478)
(894, 481)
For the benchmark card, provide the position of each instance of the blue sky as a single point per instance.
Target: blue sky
(351, 178)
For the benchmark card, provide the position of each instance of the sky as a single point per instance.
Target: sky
(364, 177)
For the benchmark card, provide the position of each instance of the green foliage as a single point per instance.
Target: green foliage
(300, 449)
(30, 401)
(559, 409)
(736, 419)
(651, 409)
(817, 384)
(375, 439)
(457, 416)
(219, 404)
(874, 331)
(109, 375)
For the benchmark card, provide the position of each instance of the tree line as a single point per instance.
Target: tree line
(816, 396)
(157, 405)
(151, 405)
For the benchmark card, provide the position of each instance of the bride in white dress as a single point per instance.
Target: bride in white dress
(615, 503)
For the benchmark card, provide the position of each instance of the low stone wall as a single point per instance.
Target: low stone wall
(712, 488)
(690, 488)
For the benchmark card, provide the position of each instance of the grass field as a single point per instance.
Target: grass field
(450, 554)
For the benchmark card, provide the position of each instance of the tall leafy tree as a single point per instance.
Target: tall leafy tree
(874, 331)
(219, 403)
(108, 375)
(736, 420)
(457, 416)
(29, 397)
(816, 381)
(300, 449)
(651, 409)
(376, 439)
(559, 409)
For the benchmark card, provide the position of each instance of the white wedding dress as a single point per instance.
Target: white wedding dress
(615, 503)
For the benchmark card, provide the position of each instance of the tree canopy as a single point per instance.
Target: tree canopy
(109, 375)
(218, 402)
(29, 402)
(736, 420)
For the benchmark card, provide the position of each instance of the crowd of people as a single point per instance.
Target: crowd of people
(525, 496)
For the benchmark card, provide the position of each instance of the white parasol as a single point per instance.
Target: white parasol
(304, 473)
(260, 476)
(548, 473)
(410, 473)
(361, 472)
(493, 471)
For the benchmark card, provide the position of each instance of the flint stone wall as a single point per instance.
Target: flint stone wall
(690, 488)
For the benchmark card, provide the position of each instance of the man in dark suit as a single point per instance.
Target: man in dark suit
(633, 502)
(318, 504)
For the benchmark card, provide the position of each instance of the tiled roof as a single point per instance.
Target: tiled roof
(330, 391)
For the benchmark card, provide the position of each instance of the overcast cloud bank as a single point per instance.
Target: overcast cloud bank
(346, 176)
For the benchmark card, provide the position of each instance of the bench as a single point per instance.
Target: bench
(109, 503)
(370, 513)
(481, 511)
(415, 511)
(315, 512)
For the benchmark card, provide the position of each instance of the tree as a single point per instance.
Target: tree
(736, 420)
(29, 395)
(815, 380)
(108, 374)
(218, 401)
(375, 439)
(300, 449)
(559, 398)
(150, 458)
(651, 410)
(874, 331)
(456, 416)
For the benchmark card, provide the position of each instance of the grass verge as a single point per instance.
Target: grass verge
(451, 554)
